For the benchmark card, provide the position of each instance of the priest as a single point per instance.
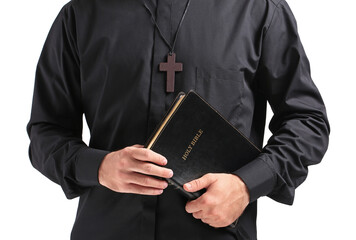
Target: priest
(121, 64)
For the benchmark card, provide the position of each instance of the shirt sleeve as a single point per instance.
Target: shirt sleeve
(55, 128)
(299, 126)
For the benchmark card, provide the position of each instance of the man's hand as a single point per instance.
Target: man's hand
(123, 171)
(225, 199)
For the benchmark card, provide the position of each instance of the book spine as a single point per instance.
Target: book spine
(194, 195)
(189, 195)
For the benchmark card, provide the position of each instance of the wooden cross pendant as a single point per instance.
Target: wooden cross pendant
(171, 67)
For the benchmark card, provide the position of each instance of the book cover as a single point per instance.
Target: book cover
(197, 140)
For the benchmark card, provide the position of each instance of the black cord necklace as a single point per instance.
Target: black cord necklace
(170, 66)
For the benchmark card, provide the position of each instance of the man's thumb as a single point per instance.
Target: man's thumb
(200, 183)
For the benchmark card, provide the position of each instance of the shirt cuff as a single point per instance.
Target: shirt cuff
(258, 177)
(87, 166)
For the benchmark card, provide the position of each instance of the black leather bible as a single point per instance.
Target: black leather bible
(197, 140)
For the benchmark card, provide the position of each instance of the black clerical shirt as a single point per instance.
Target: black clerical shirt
(101, 59)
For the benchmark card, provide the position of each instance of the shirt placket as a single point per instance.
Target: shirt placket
(157, 99)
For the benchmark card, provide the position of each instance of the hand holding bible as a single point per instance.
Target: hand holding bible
(127, 171)
(225, 199)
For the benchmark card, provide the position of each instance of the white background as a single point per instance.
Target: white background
(32, 207)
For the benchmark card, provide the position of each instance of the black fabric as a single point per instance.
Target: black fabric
(101, 59)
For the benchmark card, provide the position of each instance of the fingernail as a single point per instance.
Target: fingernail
(164, 161)
(160, 191)
(170, 174)
(187, 185)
